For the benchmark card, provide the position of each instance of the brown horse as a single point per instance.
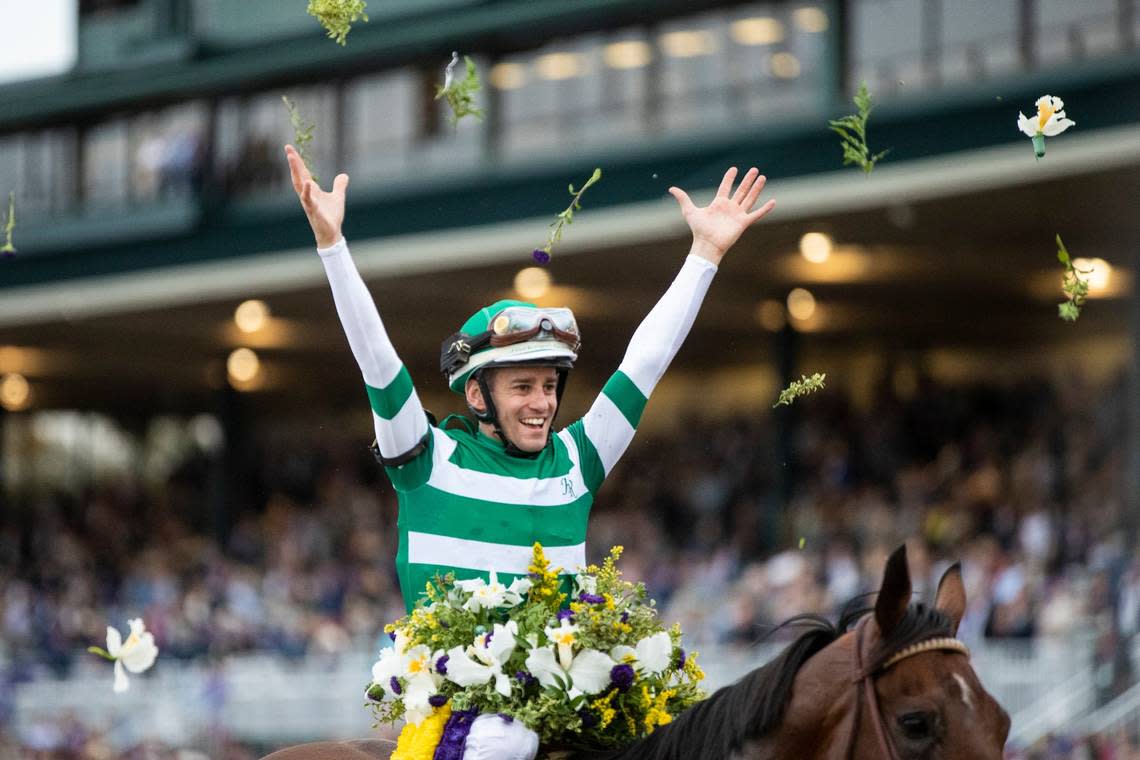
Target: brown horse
(892, 685)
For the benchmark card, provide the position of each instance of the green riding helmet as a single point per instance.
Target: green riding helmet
(508, 334)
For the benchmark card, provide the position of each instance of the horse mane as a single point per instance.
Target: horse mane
(754, 705)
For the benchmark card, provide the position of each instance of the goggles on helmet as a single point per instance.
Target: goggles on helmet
(517, 324)
(511, 326)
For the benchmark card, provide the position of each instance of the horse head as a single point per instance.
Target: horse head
(898, 687)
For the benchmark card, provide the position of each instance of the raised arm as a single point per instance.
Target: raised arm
(610, 423)
(399, 419)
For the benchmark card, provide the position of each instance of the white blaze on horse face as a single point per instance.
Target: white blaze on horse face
(967, 695)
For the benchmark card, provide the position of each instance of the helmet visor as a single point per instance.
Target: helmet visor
(519, 323)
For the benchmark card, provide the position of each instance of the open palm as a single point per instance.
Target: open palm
(721, 223)
(324, 210)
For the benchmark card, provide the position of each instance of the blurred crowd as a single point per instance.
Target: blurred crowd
(734, 527)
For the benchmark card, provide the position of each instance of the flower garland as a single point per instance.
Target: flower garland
(595, 672)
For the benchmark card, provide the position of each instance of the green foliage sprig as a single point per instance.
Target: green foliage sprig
(1074, 287)
(542, 255)
(800, 387)
(338, 16)
(852, 130)
(9, 226)
(302, 135)
(460, 95)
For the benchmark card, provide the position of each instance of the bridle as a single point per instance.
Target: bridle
(864, 682)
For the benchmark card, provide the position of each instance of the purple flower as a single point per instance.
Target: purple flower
(540, 256)
(396, 688)
(591, 598)
(564, 614)
(441, 665)
(392, 635)
(625, 617)
(526, 679)
(589, 720)
(681, 660)
(437, 700)
(487, 641)
(507, 718)
(622, 676)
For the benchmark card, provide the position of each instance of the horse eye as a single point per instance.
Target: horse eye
(916, 725)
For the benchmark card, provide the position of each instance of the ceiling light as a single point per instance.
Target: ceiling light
(243, 365)
(532, 282)
(14, 392)
(559, 66)
(508, 76)
(251, 316)
(816, 247)
(761, 30)
(810, 19)
(628, 54)
(801, 304)
(688, 43)
(784, 66)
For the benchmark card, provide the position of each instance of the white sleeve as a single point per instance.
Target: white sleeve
(396, 410)
(660, 335)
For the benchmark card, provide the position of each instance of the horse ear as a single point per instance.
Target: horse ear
(894, 594)
(951, 596)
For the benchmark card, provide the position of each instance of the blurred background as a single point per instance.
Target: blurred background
(183, 431)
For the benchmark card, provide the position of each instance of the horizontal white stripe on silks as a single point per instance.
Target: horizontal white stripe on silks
(554, 491)
(429, 549)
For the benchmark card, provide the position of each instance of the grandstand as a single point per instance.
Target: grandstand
(143, 470)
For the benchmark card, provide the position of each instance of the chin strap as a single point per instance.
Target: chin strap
(491, 416)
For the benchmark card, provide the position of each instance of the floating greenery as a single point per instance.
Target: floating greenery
(302, 135)
(801, 387)
(460, 95)
(542, 255)
(9, 226)
(1075, 288)
(852, 130)
(338, 16)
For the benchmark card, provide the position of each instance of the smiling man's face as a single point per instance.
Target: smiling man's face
(526, 399)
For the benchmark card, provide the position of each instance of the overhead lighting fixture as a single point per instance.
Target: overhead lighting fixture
(507, 76)
(810, 19)
(689, 43)
(760, 30)
(14, 392)
(801, 304)
(1099, 274)
(560, 66)
(243, 366)
(251, 316)
(816, 247)
(628, 54)
(784, 66)
(771, 315)
(532, 282)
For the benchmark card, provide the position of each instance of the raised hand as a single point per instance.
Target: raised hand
(718, 225)
(324, 210)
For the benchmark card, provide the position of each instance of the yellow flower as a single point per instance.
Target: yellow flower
(419, 742)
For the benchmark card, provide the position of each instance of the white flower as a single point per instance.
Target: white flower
(1050, 121)
(136, 654)
(478, 663)
(565, 636)
(408, 674)
(652, 655)
(587, 673)
(493, 595)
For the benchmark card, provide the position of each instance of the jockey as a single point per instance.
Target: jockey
(476, 494)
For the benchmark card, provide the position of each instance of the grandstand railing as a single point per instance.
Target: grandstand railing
(269, 699)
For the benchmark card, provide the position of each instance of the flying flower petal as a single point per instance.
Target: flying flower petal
(121, 681)
(1057, 124)
(114, 642)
